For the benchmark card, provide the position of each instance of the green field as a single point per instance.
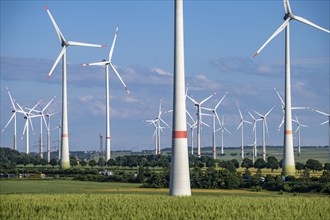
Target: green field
(59, 199)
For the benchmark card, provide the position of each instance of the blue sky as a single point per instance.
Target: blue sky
(220, 40)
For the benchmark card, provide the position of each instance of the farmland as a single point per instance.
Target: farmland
(60, 199)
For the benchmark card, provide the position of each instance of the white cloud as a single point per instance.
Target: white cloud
(161, 71)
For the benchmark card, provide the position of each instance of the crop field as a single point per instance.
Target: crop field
(37, 199)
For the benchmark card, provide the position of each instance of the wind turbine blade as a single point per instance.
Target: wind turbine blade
(160, 109)
(279, 96)
(205, 124)
(113, 44)
(258, 113)
(31, 124)
(269, 111)
(297, 129)
(252, 116)
(74, 43)
(227, 130)
(56, 61)
(207, 99)
(266, 127)
(190, 116)
(122, 81)
(287, 7)
(165, 123)
(240, 124)
(224, 96)
(323, 123)
(298, 108)
(240, 113)
(282, 122)
(247, 122)
(48, 104)
(193, 100)
(283, 25)
(217, 116)
(11, 99)
(34, 107)
(305, 126)
(305, 21)
(59, 34)
(208, 109)
(11, 118)
(323, 113)
(103, 63)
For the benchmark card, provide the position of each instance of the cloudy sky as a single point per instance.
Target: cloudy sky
(220, 40)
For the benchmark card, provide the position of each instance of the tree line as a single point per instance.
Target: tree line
(205, 172)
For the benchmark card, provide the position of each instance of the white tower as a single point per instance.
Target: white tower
(180, 179)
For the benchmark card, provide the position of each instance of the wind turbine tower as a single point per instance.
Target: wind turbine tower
(241, 125)
(264, 130)
(323, 123)
(288, 153)
(299, 125)
(108, 63)
(255, 153)
(179, 179)
(65, 159)
(215, 116)
(223, 129)
(198, 106)
(15, 111)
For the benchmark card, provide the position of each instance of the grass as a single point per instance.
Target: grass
(147, 206)
(66, 199)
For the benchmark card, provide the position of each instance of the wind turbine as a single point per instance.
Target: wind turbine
(41, 114)
(264, 126)
(158, 128)
(223, 129)
(283, 108)
(255, 153)
(108, 63)
(288, 154)
(215, 115)
(48, 134)
(298, 130)
(323, 123)
(13, 116)
(192, 127)
(65, 160)
(179, 178)
(27, 116)
(198, 106)
(59, 140)
(241, 125)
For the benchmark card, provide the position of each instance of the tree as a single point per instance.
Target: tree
(260, 163)
(82, 163)
(235, 163)
(230, 167)
(53, 162)
(43, 162)
(326, 167)
(199, 164)
(25, 161)
(300, 166)
(272, 163)
(92, 163)
(101, 162)
(111, 162)
(210, 162)
(314, 165)
(73, 161)
(247, 163)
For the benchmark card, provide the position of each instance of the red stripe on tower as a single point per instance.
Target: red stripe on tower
(180, 134)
